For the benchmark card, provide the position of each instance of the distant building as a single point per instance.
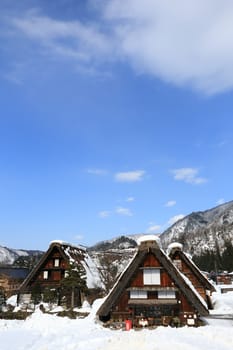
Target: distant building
(11, 278)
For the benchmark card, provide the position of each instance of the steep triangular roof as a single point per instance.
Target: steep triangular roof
(176, 249)
(180, 280)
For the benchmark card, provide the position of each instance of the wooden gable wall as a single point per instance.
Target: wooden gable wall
(51, 270)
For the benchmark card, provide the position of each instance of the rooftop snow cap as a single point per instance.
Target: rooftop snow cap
(148, 241)
(174, 246)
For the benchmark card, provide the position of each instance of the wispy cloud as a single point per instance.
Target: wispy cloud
(154, 229)
(98, 172)
(170, 203)
(130, 199)
(79, 237)
(104, 213)
(175, 218)
(154, 37)
(130, 176)
(220, 201)
(71, 39)
(164, 38)
(189, 175)
(117, 211)
(123, 211)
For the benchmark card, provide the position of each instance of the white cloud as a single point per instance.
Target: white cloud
(130, 176)
(65, 38)
(170, 203)
(104, 213)
(220, 201)
(123, 211)
(79, 237)
(183, 43)
(189, 175)
(175, 218)
(130, 199)
(154, 228)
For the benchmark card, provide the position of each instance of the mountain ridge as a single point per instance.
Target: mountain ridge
(199, 232)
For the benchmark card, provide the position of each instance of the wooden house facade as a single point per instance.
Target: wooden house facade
(52, 269)
(185, 264)
(151, 291)
(11, 278)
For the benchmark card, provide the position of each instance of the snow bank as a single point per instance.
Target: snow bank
(48, 332)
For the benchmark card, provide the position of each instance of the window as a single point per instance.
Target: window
(45, 275)
(56, 262)
(166, 294)
(138, 294)
(151, 276)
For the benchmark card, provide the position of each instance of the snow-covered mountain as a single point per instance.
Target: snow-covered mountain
(9, 256)
(203, 230)
(111, 257)
(198, 232)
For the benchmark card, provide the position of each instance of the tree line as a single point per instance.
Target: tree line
(216, 261)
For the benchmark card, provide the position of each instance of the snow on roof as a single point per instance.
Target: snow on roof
(79, 253)
(191, 286)
(64, 243)
(146, 238)
(174, 245)
(92, 273)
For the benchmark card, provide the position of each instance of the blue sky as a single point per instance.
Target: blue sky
(116, 117)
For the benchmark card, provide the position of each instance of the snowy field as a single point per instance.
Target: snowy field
(48, 332)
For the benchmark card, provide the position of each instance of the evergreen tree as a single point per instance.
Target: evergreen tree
(227, 257)
(36, 294)
(2, 298)
(74, 281)
(50, 295)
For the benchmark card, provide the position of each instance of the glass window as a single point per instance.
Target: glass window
(56, 262)
(166, 294)
(45, 275)
(151, 276)
(138, 294)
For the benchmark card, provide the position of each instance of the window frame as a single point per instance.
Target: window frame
(151, 276)
(138, 294)
(45, 274)
(56, 262)
(166, 294)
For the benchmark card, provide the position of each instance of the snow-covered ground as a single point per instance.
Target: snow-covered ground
(50, 332)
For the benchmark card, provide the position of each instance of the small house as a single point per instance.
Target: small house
(224, 278)
(11, 279)
(186, 266)
(47, 276)
(151, 291)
